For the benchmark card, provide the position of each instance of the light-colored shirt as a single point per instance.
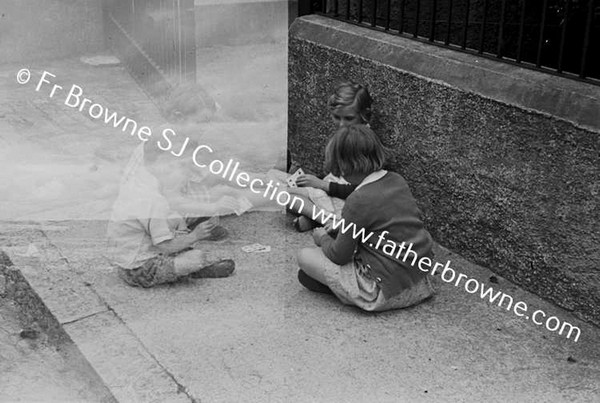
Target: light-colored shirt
(139, 221)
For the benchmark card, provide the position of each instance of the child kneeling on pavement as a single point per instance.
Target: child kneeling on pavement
(151, 244)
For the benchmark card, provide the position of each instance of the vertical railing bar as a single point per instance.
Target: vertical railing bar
(360, 10)
(183, 46)
(167, 37)
(388, 15)
(466, 26)
(335, 7)
(449, 30)
(401, 17)
(180, 41)
(417, 12)
(132, 13)
(538, 61)
(135, 35)
(483, 23)
(191, 42)
(164, 41)
(163, 29)
(173, 52)
(499, 49)
(132, 21)
(305, 7)
(153, 36)
(586, 38)
(347, 9)
(433, 19)
(175, 34)
(373, 13)
(153, 41)
(521, 31)
(563, 37)
(168, 34)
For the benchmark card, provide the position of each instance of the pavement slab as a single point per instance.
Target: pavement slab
(259, 336)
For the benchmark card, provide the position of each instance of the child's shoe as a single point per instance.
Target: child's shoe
(217, 233)
(304, 224)
(222, 268)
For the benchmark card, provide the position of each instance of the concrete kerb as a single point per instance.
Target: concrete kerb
(89, 332)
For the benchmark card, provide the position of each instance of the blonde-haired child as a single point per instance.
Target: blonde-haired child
(149, 242)
(357, 270)
(349, 104)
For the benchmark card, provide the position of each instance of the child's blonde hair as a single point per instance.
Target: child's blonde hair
(354, 149)
(354, 95)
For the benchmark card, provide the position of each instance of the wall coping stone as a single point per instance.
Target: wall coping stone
(570, 100)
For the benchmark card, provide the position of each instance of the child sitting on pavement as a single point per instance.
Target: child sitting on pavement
(349, 104)
(150, 243)
(352, 268)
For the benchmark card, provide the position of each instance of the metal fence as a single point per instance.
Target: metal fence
(155, 39)
(556, 36)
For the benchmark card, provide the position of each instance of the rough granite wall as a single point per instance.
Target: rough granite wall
(510, 189)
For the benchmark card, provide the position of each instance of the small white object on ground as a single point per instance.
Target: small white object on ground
(256, 248)
(100, 60)
(32, 251)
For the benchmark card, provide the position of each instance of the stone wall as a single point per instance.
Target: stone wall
(504, 162)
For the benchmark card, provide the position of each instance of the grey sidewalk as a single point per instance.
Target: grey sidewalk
(259, 336)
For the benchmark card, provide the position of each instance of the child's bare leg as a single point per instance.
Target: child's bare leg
(191, 261)
(311, 261)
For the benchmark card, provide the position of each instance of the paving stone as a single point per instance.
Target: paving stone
(123, 363)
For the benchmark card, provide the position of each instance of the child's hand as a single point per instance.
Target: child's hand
(318, 234)
(312, 181)
(202, 230)
(329, 228)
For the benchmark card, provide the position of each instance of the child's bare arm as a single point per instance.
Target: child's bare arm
(339, 190)
(298, 191)
(312, 181)
(184, 241)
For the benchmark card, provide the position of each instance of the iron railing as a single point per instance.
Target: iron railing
(155, 39)
(556, 36)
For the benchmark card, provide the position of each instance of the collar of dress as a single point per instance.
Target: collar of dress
(372, 177)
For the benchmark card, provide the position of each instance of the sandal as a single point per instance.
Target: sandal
(220, 269)
(217, 233)
(304, 224)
